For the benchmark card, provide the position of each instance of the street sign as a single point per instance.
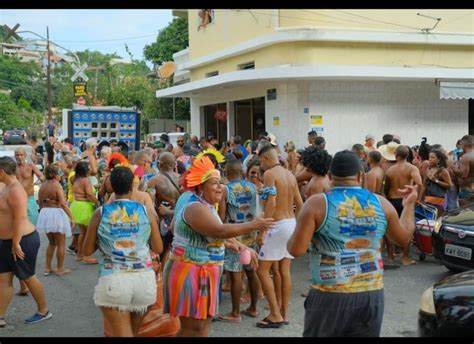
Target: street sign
(11, 32)
(80, 88)
(81, 101)
(79, 72)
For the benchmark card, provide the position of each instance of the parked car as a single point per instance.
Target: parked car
(447, 308)
(453, 239)
(14, 136)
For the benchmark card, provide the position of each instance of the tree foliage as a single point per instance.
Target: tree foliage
(170, 40)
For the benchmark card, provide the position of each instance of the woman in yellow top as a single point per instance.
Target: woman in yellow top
(82, 207)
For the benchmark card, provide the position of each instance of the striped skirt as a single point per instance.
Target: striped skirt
(191, 290)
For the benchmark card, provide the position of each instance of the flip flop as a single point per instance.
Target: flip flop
(22, 293)
(249, 314)
(412, 262)
(245, 299)
(227, 318)
(286, 322)
(65, 271)
(267, 323)
(89, 260)
(48, 272)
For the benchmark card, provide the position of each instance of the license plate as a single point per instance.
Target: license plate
(458, 251)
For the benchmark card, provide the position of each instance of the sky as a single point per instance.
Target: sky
(104, 30)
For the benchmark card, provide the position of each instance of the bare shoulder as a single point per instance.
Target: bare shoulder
(17, 194)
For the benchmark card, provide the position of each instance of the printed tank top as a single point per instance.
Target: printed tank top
(123, 234)
(191, 246)
(345, 251)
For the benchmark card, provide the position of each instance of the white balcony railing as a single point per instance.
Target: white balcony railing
(181, 75)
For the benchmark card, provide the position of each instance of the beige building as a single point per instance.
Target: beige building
(343, 73)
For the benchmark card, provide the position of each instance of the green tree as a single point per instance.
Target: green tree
(170, 40)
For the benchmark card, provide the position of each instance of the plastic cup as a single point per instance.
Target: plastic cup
(245, 257)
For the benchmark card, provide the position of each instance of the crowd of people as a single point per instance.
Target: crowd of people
(224, 217)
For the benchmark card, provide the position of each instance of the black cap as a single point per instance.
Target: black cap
(165, 137)
(345, 164)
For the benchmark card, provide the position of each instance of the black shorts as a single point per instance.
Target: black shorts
(343, 314)
(23, 269)
(398, 205)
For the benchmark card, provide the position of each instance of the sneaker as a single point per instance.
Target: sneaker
(35, 318)
(2, 322)
(71, 250)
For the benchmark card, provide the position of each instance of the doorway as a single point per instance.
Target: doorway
(218, 128)
(249, 118)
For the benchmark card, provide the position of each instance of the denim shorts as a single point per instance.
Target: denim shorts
(126, 291)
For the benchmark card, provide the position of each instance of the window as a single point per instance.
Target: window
(248, 65)
(208, 75)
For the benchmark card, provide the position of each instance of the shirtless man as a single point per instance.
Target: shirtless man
(374, 178)
(24, 174)
(316, 161)
(396, 177)
(281, 193)
(89, 155)
(19, 244)
(164, 188)
(464, 171)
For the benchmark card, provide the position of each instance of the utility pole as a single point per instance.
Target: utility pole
(48, 76)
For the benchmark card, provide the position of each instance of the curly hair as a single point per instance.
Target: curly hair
(316, 159)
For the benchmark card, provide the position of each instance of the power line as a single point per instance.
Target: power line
(455, 19)
(376, 20)
(109, 40)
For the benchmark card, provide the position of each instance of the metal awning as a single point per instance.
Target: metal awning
(456, 90)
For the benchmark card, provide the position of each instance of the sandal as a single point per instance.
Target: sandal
(48, 272)
(249, 313)
(22, 293)
(267, 323)
(89, 260)
(65, 271)
(228, 318)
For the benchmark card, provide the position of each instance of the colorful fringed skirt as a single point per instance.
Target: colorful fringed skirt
(191, 290)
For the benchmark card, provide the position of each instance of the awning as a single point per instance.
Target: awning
(456, 90)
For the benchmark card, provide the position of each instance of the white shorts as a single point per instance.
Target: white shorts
(126, 291)
(53, 220)
(274, 243)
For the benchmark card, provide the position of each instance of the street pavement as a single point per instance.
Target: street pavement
(70, 300)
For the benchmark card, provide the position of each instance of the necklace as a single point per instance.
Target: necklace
(274, 165)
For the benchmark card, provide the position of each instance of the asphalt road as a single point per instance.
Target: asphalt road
(74, 314)
(69, 298)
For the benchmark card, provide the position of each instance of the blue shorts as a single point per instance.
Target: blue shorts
(33, 210)
(23, 269)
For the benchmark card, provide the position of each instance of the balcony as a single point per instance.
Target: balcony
(181, 76)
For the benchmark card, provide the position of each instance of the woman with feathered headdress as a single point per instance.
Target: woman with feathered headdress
(194, 268)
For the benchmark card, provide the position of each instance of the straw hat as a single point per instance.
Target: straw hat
(388, 151)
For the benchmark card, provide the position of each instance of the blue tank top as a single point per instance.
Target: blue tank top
(189, 245)
(345, 250)
(123, 235)
(242, 206)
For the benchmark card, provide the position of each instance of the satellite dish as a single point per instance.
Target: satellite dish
(166, 70)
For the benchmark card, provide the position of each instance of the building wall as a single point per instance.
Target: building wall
(230, 27)
(350, 110)
(383, 19)
(313, 53)
(235, 26)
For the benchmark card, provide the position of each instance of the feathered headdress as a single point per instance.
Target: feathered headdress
(218, 155)
(201, 171)
(117, 156)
